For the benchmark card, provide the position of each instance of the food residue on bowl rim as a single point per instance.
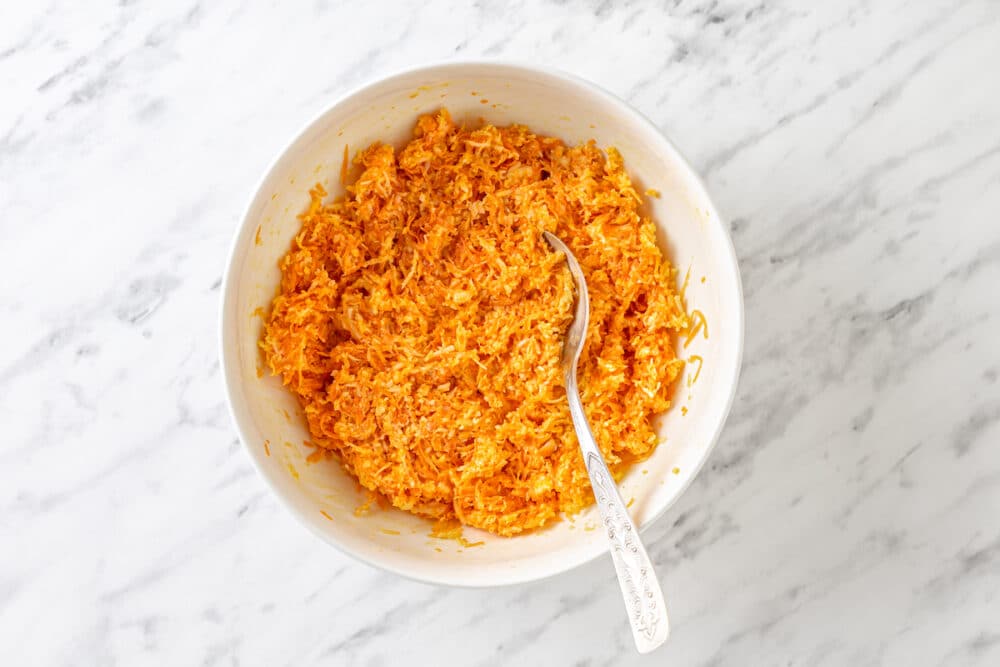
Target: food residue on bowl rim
(692, 378)
(699, 325)
(345, 165)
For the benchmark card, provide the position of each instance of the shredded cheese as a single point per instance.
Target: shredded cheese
(693, 377)
(345, 164)
(698, 325)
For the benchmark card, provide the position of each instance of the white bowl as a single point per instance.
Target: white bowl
(322, 495)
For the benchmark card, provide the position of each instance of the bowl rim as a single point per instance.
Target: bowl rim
(227, 355)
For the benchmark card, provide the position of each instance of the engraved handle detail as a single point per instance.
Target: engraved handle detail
(641, 590)
(647, 613)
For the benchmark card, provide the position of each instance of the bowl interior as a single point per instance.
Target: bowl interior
(321, 494)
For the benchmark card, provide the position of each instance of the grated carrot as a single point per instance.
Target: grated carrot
(345, 164)
(684, 285)
(698, 325)
(421, 318)
(694, 377)
(316, 455)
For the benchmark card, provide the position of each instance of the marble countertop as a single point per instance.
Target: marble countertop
(849, 515)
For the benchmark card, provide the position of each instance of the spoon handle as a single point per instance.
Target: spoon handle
(647, 612)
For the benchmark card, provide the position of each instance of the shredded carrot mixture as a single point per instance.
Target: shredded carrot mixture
(421, 317)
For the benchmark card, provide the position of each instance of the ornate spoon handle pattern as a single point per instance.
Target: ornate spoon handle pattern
(641, 590)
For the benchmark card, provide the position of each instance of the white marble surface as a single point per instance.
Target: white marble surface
(849, 515)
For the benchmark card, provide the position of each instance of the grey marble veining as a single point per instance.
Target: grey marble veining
(849, 513)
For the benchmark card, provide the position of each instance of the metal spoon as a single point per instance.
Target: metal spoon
(647, 613)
